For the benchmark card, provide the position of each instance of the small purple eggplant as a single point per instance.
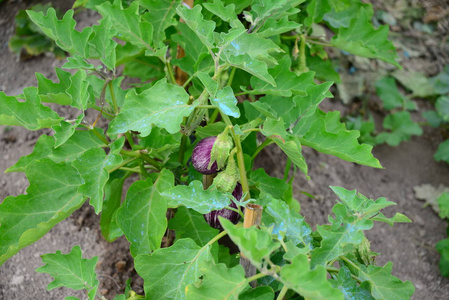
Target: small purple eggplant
(201, 156)
(234, 217)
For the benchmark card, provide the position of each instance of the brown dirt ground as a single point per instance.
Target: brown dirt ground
(409, 246)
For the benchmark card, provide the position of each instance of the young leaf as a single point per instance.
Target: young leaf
(164, 105)
(193, 196)
(128, 23)
(443, 248)
(226, 101)
(71, 270)
(189, 224)
(63, 31)
(30, 114)
(102, 44)
(312, 284)
(289, 223)
(51, 197)
(442, 152)
(64, 130)
(360, 38)
(93, 166)
(168, 271)
(54, 92)
(272, 27)
(142, 215)
(401, 128)
(384, 285)
(389, 94)
(256, 244)
(326, 134)
(316, 11)
(218, 282)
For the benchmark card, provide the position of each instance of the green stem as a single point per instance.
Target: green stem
(282, 293)
(114, 101)
(205, 107)
(255, 277)
(182, 149)
(261, 146)
(123, 164)
(231, 76)
(97, 134)
(214, 116)
(188, 80)
(319, 43)
(129, 138)
(152, 161)
(135, 170)
(240, 158)
(302, 55)
(288, 164)
(336, 270)
(216, 238)
(170, 72)
(348, 261)
(243, 93)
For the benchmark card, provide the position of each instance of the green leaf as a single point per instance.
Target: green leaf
(400, 128)
(384, 285)
(189, 224)
(210, 84)
(389, 94)
(78, 62)
(442, 152)
(443, 204)
(218, 283)
(272, 27)
(54, 92)
(441, 81)
(316, 11)
(204, 29)
(128, 23)
(112, 200)
(256, 244)
(168, 271)
(63, 31)
(164, 105)
(433, 118)
(225, 13)
(142, 215)
(325, 70)
(102, 44)
(442, 107)
(274, 186)
(342, 17)
(361, 39)
(289, 223)
(345, 283)
(30, 114)
(71, 270)
(287, 82)
(273, 9)
(64, 130)
(326, 134)
(312, 284)
(254, 67)
(443, 248)
(193, 196)
(51, 197)
(161, 16)
(93, 166)
(416, 82)
(226, 102)
(259, 293)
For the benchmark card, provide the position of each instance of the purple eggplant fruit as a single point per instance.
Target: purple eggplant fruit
(234, 217)
(201, 156)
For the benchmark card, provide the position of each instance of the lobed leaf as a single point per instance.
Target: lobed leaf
(71, 270)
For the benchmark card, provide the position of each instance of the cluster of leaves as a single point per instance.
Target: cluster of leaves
(398, 123)
(29, 40)
(232, 48)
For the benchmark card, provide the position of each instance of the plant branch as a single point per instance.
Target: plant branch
(170, 72)
(114, 101)
(282, 293)
(267, 142)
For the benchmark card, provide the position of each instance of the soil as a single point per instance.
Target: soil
(409, 246)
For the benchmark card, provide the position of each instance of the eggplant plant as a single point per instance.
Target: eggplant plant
(213, 85)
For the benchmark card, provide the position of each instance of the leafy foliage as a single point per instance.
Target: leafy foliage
(238, 75)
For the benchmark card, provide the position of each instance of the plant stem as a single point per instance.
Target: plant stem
(123, 164)
(135, 170)
(216, 238)
(188, 80)
(170, 72)
(255, 277)
(114, 101)
(97, 134)
(205, 107)
(302, 55)
(288, 164)
(320, 43)
(129, 138)
(182, 149)
(231, 76)
(282, 293)
(214, 116)
(267, 142)
(348, 261)
(332, 269)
